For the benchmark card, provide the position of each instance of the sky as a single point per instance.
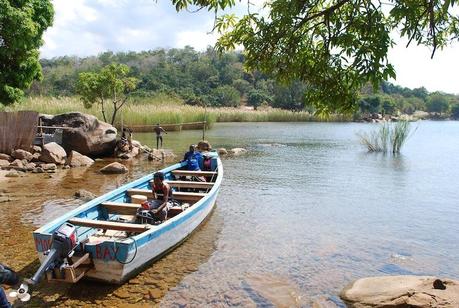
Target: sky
(89, 27)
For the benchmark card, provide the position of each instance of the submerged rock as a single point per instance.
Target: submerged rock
(84, 195)
(402, 291)
(114, 168)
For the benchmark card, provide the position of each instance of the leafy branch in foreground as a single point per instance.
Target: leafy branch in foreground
(335, 46)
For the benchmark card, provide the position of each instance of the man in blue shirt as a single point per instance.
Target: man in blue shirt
(193, 158)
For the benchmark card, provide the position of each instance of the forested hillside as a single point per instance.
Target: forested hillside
(207, 78)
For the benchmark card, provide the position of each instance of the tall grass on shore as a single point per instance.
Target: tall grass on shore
(169, 110)
(388, 137)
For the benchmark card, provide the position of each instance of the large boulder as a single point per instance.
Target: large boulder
(53, 153)
(402, 291)
(85, 133)
(4, 163)
(22, 154)
(114, 168)
(161, 155)
(76, 159)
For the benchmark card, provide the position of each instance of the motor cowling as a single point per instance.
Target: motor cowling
(63, 242)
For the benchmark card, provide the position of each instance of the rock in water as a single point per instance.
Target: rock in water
(22, 154)
(84, 195)
(401, 291)
(76, 159)
(114, 168)
(222, 151)
(237, 151)
(53, 153)
(85, 134)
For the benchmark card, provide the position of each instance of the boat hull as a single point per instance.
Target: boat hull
(116, 260)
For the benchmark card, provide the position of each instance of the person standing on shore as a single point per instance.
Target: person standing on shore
(159, 135)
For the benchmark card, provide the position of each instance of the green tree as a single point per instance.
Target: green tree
(388, 105)
(334, 46)
(110, 85)
(437, 103)
(455, 111)
(256, 97)
(370, 104)
(22, 24)
(224, 96)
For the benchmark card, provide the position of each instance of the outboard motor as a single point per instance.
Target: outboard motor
(63, 243)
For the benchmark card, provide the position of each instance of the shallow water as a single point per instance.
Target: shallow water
(305, 212)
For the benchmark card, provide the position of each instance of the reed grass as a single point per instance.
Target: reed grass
(388, 137)
(165, 109)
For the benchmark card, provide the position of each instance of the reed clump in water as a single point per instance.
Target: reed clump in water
(389, 137)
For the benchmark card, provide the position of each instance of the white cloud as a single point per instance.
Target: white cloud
(415, 68)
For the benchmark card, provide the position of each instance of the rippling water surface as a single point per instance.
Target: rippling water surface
(305, 212)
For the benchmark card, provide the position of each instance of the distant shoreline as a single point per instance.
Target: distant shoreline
(173, 112)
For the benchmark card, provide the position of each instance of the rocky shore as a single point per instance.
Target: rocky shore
(84, 138)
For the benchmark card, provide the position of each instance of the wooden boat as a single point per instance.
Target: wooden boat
(111, 245)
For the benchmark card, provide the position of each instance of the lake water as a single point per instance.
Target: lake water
(306, 211)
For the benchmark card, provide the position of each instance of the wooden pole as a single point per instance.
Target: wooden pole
(205, 122)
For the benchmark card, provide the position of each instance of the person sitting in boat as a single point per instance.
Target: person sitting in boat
(162, 193)
(192, 157)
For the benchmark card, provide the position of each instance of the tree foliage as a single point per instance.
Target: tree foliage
(437, 103)
(335, 47)
(110, 85)
(22, 24)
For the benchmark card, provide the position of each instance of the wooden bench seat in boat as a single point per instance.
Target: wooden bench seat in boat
(109, 225)
(131, 209)
(193, 173)
(177, 195)
(121, 208)
(189, 184)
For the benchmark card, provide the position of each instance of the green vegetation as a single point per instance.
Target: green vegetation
(110, 85)
(335, 47)
(206, 79)
(388, 137)
(166, 110)
(22, 24)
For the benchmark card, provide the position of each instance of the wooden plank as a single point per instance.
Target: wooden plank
(177, 195)
(193, 173)
(110, 225)
(121, 208)
(189, 184)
